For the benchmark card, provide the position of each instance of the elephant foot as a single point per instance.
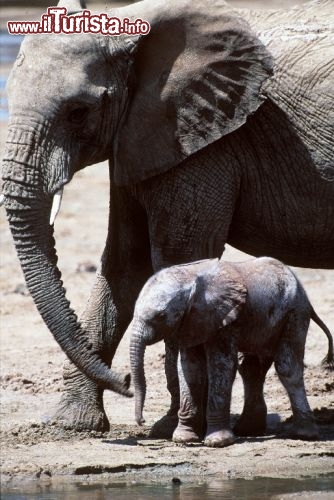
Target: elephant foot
(164, 428)
(185, 434)
(81, 416)
(252, 423)
(219, 439)
(81, 404)
(306, 430)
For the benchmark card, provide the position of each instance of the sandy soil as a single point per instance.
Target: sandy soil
(31, 380)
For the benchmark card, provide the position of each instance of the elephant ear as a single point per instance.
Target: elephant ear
(225, 294)
(215, 300)
(198, 76)
(197, 321)
(230, 297)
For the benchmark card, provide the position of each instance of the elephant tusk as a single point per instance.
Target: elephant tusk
(56, 205)
(2, 199)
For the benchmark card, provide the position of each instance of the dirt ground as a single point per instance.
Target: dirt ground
(31, 377)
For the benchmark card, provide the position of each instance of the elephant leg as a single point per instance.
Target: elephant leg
(192, 380)
(125, 266)
(252, 421)
(81, 404)
(222, 360)
(289, 364)
(165, 427)
(171, 371)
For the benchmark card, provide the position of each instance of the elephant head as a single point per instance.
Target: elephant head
(145, 104)
(188, 303)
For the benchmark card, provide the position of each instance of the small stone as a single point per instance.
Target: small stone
(176, 481)
(27, 381)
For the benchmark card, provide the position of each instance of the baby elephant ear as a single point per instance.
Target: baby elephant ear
(197, 320)
(232, 297)
(232, 315)
(198, 76)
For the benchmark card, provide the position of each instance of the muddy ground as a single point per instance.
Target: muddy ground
(31, 377)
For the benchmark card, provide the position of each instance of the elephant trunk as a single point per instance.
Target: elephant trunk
(137, 352)
(28, 211)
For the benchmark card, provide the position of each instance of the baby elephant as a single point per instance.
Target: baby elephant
(215, 309)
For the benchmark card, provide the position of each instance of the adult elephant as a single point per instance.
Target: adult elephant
(217, 125)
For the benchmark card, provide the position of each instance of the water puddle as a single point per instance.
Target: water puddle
(250, 489)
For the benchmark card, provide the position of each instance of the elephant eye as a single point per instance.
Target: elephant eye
(77, 115)
(161, 315)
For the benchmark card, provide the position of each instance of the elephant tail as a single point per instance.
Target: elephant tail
(328, 361)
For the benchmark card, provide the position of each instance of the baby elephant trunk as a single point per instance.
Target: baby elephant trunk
(137, 352)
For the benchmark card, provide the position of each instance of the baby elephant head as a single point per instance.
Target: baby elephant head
(158, 314)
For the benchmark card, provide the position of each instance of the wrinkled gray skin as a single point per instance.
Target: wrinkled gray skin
(215, 309)
(217, 126)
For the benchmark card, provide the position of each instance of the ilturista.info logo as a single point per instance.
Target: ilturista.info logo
(57, 21)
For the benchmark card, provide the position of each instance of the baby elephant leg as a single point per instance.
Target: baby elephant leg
(252, 421)
(221, 367)
(289, 366)
(192, 380)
